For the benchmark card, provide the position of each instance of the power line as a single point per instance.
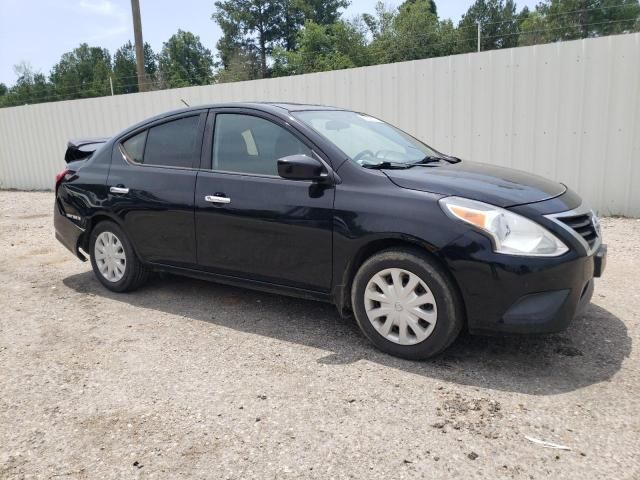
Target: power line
(61, 97)
(575, 26)
(62, 90)
(95, 82)
(426, 35)
(553, 15)
(470, 41)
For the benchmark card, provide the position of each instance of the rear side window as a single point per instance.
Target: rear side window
(134, 147)
(172, 144)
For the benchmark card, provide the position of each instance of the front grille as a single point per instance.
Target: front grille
(583, 225)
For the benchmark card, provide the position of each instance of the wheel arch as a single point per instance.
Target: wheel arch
(91, 223)
(342, 293)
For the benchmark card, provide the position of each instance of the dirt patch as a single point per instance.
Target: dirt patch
(479, 415)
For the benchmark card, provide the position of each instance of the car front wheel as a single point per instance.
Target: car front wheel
(113, 260)
(405, 304)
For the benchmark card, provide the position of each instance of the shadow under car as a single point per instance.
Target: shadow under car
(592, 350)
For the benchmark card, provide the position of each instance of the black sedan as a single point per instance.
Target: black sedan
(332, 205)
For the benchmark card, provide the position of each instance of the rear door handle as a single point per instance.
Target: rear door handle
(119, 190)
(216, 199)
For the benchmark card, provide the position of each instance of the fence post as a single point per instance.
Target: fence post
(479, 34)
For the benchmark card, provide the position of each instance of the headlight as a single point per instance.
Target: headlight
(512, 234)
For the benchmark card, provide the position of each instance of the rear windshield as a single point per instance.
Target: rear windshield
(365, 139)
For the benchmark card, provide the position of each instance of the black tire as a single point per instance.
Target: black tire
(450, 312)
(135, 273)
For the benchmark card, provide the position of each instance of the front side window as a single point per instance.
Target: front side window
(172, 144)
(365, 139)
(253, 145)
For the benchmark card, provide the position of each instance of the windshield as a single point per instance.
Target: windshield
(366, 140)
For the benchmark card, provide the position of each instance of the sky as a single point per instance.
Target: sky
(40, 31)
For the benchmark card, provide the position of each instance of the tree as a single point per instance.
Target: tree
(499, 23)
(250, 24)
(242, 65)
(81, 73)
(432, 7)
(323, 12)
(125, 71)
(418, 33)
(532, 28)
(411, 32)
(380, 24)
(324, 47)
(30, 87)
(184, 61)
(572, 19)
(262, 25)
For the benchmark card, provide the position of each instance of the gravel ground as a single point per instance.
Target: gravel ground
(189, 379)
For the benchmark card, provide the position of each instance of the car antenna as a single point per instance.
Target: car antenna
(185, 103)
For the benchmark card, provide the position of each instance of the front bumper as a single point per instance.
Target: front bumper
(509, 294)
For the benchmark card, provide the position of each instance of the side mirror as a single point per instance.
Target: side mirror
(301, 167)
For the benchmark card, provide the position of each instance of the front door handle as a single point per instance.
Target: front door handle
(119, 190)
(216, 199)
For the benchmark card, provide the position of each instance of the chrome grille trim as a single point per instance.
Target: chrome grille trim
(583, 210)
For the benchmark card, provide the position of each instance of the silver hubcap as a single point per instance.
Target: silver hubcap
(110, 257)
(400, 306)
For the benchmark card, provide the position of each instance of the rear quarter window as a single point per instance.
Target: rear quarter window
(134, 147)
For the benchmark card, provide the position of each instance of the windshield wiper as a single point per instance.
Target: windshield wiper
(386, 164)
(428, 159)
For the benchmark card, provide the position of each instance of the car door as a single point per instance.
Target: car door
(151, 185)
(250, 222)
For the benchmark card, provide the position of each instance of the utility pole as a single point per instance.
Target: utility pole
(137, 34)
(479, 34)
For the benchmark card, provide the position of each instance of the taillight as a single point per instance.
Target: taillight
(61, 175)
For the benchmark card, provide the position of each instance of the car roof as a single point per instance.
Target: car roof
(270, 107)
(265, 106)
(295, 107)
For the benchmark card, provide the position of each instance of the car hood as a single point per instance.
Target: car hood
(504, 187)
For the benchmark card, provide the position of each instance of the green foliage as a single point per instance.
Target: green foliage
(411, 32)
(184, 61)
(499, 23)
(250, 25)
(381, 23)
(31, 87)
(532, 28)
(324, 47)
(433, 9)
(82, 73)
(573, 19)
(261, 27)
(242, 65)
(125, 73)
(322, 12)
(295, 13)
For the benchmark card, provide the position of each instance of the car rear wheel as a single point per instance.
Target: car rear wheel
(113, 260)
(406, 305)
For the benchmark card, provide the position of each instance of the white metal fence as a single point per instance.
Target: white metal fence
(569, 111)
